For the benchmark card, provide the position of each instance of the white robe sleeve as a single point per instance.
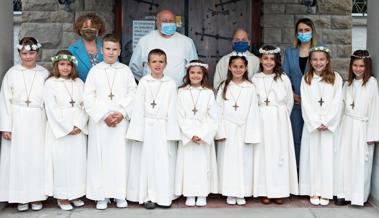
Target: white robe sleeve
(373, 113)
(186, 126)
(96, 109)
(136, 62)
(59, 126)
(311, 119)
(332, 119)
(137, 120)
(217, 79)
(81, 119)
(220, 134)
(126, 103)
(5, 106)
(192, 53)
(289, 96)
(252, 131)
(208, 130)
(173, 131)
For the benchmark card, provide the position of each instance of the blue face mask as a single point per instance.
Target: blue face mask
(168, 28)
(304, 37)
(240, 46)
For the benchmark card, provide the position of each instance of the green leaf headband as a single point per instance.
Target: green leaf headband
(320, 48)
(64, 57)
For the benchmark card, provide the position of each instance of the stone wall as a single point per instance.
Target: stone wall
(332, 19)
(47, 21)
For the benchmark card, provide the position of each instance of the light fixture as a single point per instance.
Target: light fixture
(66, 4)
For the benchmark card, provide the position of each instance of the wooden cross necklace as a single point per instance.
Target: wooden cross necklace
(234, 99)
(352, 105)
(28, 92)
(269, 91)
(71, 94)
(320, 101)
(153, 103)
(194, 110)
(111, 95)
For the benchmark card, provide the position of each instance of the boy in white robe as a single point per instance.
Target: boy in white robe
(155, 128)
(23, 125)
(108, 96)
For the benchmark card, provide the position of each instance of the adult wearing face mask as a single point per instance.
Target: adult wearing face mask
(179, 48)
(295, 66)
(87, 49)
(241, 44)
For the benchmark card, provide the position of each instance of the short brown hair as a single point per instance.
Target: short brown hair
(96, 21)
(110, 37)
(55, 72)
(157, 51)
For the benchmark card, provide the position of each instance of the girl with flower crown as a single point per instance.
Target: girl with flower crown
(196, 170)
(275, 174)
(66, 128)
(321, 91)
(238, 130)
(22, 125)
(359, 131)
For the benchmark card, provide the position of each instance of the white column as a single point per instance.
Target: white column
(6, 41)
(6, 36)
(373, 47)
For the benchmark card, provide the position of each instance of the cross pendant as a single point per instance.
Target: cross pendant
(352, 105)
(111, 95)
(27, 102)
(194, 110)
(235, 106)
(153, 104)
(72, 102)
(267, 101)
(321, 102)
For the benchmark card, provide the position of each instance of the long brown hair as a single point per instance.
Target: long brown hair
(308, 22)
(360, 55)
(55, 72)
(278, 71)
(204, 81)
(229, 76)
(327, 75)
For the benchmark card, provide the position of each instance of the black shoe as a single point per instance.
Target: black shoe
(164, 206)
(340, 202)
(149, 205)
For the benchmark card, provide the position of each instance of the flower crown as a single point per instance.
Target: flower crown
(274, 51)
(360, 56)
(33, 47)
(196, 64)
(320, 48)
(64, 57)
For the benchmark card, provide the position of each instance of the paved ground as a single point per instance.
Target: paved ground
(294, 207)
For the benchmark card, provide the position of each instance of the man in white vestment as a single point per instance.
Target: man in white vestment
(179, 48)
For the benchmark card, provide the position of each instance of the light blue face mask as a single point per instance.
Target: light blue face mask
(168, 28)
(304, 37)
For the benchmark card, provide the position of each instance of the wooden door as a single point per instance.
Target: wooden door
(209, 23)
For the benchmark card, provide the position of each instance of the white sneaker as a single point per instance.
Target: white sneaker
(23, 207)
(102, 205)
(65, 207)
(314, 200)
(201, 201)
(324, 201)
(36, 206)
(231, 200)
(190, 201)
(241, 201)
(121, 203)
(77, 203)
